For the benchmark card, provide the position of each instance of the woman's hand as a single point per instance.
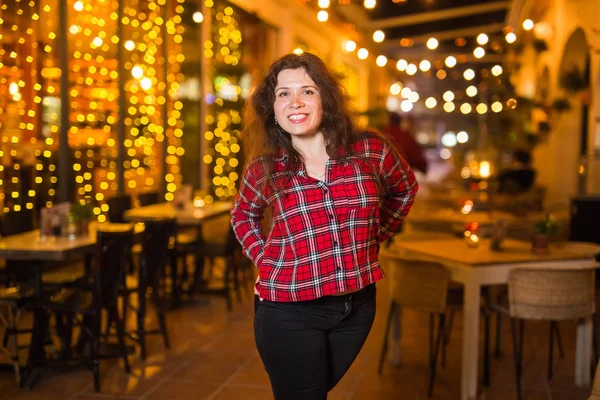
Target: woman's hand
(256, 291)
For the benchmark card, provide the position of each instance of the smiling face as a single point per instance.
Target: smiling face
(297, 105)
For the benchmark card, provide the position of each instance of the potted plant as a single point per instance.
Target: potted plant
(82, 213)
(543, 231)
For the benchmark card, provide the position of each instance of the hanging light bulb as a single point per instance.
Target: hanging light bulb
(350, 46)
(510, 37)
(378, 36)
(448, 95)
(431, 102)
(401, 65)
(198, 17)
(482, 39)
(381, 61)
(496, 106)
(432, 43)
(450, 61)
(528, 24)
(496, 70)
(481, 108)
(469, 74)
(479, 52)
(424, 65)
(322, 16)
(466, 108)
(370, 4)
(362, 53)
(449, 106)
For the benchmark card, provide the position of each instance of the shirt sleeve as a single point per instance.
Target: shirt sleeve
(247, 216)
(400, 187)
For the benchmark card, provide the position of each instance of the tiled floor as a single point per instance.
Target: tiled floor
(213, 357)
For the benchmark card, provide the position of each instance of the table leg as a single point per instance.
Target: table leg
(394, 354)
(469, 371)
(583, 356)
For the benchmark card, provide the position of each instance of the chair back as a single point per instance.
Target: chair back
(596, 387)
(108, 270)
(117, 206)
(148, 198)
(155, 250)
(420, 285)
(16, 222)
(551, 294)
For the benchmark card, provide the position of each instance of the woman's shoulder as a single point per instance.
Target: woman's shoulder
(368, 142)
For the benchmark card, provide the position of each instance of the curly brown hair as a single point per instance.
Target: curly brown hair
(263, 136)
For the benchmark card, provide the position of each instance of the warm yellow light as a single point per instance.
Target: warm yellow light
(481, 108)
(414, 97)
(378, 36)
(322, 16)
(129, 45)
(370, 4)
(425, 66)
(406, 92)
(511, 103)
(462, 137)
(450, 61)
(466, 108)
(496, 106)
(146, 83)
(479, 52)
(449, 107)
(395, 89)
(198, 17)
(431, 102)
(471, 91)
(482, 39)
(401, 65)
(485, 169)
(511, 37)
(78, 6)
(448, 95)
(381, 61)
(323, 3)
(97, 41)
(469, 74)
(496, 70)
(298, 51)
(137, 72)
(74, 29)
(528, 24)
(411, 69)
(350, 46)
(432, 43)
(362, 53)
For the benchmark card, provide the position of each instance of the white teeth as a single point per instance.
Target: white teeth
(297, 117)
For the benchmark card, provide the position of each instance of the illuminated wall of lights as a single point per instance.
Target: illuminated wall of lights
(30, 100)
(224, 48)
(28, 118)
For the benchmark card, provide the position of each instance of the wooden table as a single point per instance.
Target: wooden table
(188, 215)
(33, 247)
(477, 267)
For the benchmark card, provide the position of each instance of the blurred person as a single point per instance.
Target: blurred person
(519, 177)
(334, 195)
(406, 145)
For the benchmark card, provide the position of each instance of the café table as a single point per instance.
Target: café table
(481, 266)
(31, 246)
(186, 215)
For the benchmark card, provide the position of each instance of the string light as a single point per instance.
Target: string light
(424, 65)
(471, 91)
(381, 61)
(350, 46)
(448, 96)
(482, 39)
(322, 16)
(362, 53)
(401, 65)
(510, 37)
(411, 69)
(479, 52)
(496, 70)
(469, 74)
(323, 3)
(378, 36)
(432, 43)
(450, 61)
(395, 89)
(370, 4)
(431, 102)
(528, 24)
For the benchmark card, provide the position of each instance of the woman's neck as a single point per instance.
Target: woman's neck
(310, 147)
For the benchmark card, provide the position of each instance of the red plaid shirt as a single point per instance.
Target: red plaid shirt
(325, 234)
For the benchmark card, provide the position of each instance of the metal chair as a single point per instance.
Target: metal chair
(117, 206)
(422, 286)
(545, 295)
(148, 198)
(99, 293)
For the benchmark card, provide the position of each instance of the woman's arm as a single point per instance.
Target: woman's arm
(247, 214)
(400, 190)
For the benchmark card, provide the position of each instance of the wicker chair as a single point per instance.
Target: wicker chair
(596, 388)
(422, 286)
(546, 295)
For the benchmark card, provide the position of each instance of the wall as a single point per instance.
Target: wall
(557, 159)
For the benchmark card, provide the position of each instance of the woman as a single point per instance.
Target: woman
(333, 195)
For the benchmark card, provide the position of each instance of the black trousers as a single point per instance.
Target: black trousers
(308, 346)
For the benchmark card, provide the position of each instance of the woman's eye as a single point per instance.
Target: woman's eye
(309, 92)
(282, 94)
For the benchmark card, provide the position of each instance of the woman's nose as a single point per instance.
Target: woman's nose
(296, 101)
